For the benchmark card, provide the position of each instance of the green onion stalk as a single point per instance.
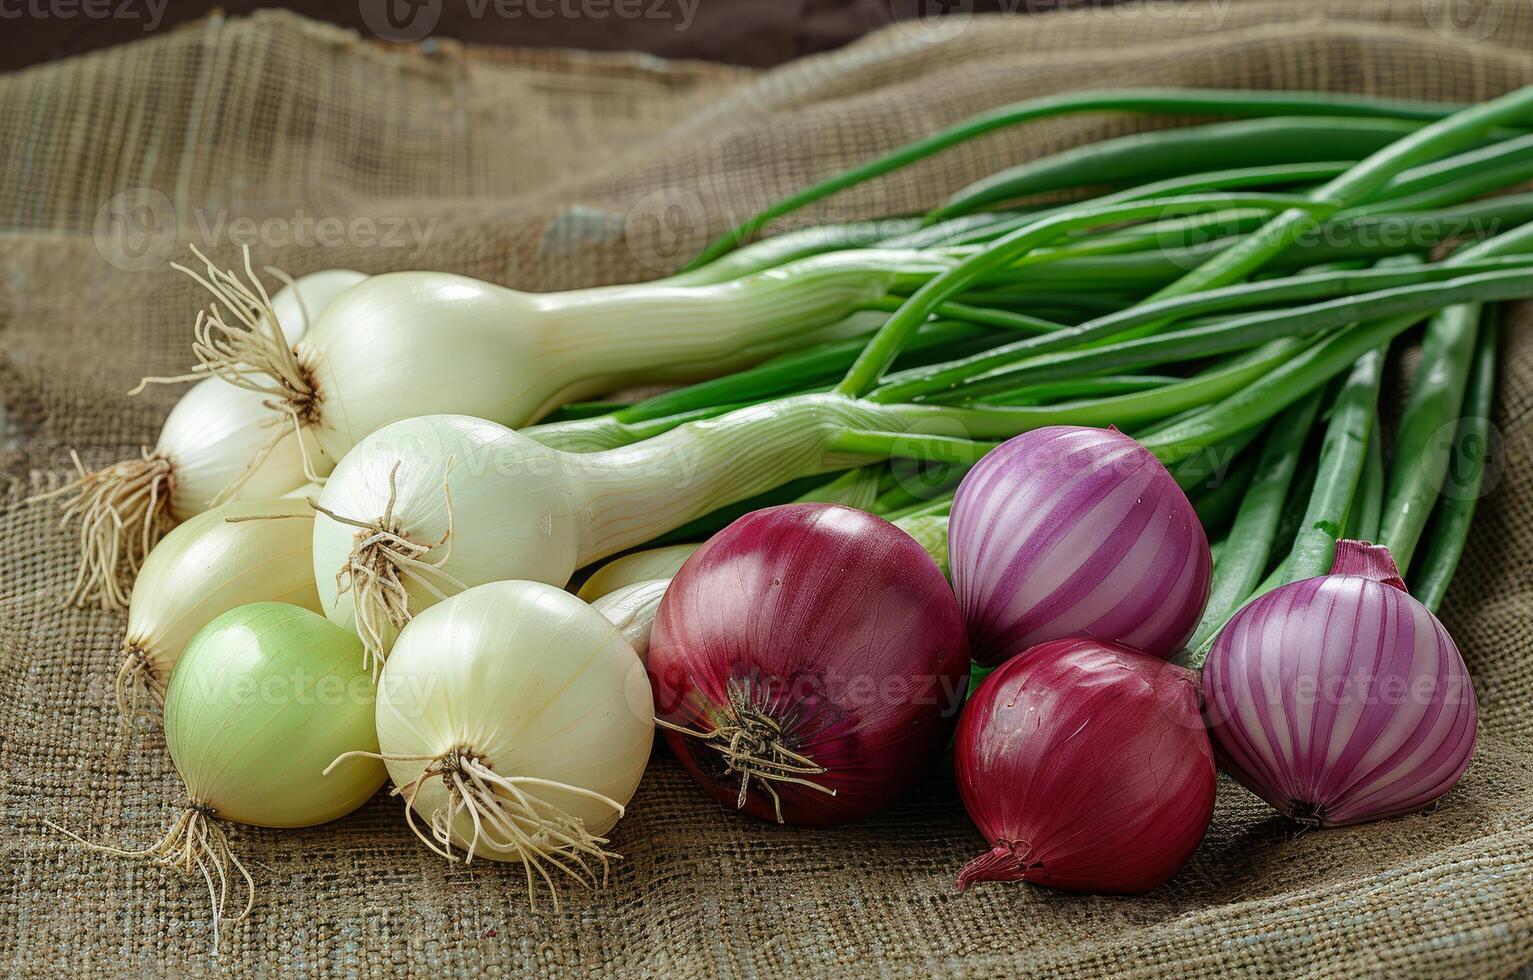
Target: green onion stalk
(1162, 101)
(1465, 482)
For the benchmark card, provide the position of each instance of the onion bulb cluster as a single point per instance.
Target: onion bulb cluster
(220, 442)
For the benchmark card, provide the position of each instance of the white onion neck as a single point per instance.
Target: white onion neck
(596, 340)
(627, 496)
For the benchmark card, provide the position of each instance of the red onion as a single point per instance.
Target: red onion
(807, 663)
(1070, 531)
(1086, 765)
(1341, 699)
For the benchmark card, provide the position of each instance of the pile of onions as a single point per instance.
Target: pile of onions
(1068, 531)
(1341, 699)
(1086, 767)
(261, 702)
(516, 722)
(807, 663)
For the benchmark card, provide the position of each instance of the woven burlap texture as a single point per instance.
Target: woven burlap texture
(549, 171)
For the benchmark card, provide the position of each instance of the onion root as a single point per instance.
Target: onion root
(137, 685)
(751, 744)
(123, 513)
(380, 562)
(194, 844)
(506, 818)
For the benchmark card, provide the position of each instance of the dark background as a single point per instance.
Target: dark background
(746, 32)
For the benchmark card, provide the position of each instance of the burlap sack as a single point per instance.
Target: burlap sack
(557, 170)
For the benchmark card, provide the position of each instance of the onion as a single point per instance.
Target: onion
(1086, 766)
(448, 501)
(405, 344)
(263, 698)
(807, 663)
(632, 609)
(1068, 531)
(1341, 699)
(640, 566)
(219, 442)
(221, 559)
(517, 722)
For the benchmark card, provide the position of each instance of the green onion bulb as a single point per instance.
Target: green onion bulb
(262, 699)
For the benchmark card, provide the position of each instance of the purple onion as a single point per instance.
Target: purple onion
(1341, 699)
(807, 664)
(1076, 532)
(1086, 768)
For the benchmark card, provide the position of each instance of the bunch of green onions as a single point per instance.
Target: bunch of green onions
(1225, 293)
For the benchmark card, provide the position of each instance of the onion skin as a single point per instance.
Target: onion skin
(1068, 531)
(835, 625)
(1086, 766)
(1397, 728)
(534, 683)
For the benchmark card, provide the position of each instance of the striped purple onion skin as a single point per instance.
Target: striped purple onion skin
(1339, 700)
(1086, 768)
(1071, 531)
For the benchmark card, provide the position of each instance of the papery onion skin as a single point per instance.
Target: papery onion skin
(1340, 699)
(834, 624)
(1086, 766)
(1073, 531)
(262, 701)
(532, 682)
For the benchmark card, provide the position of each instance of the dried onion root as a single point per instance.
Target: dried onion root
(475, 705)
(509, 823)
(122, 511)
(194, 845)
(382, 560)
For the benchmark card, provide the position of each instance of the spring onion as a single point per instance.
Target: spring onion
(210, 449)
(516, 722)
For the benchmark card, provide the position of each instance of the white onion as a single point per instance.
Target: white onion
(204, 568)
(429, 506)
(516, 722)
(219, 442)
(634, 568)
